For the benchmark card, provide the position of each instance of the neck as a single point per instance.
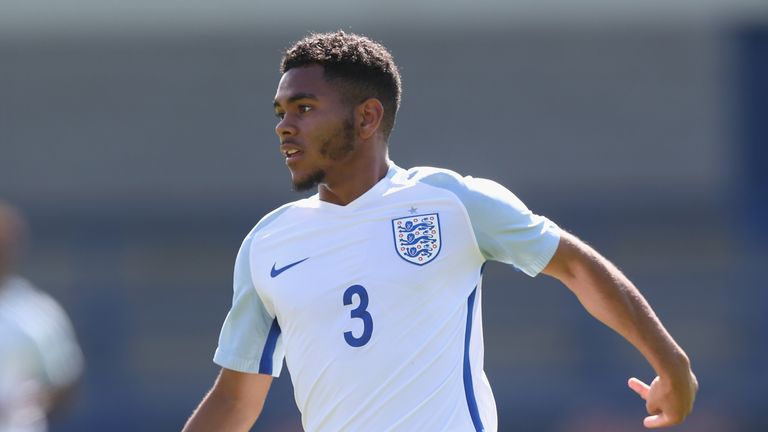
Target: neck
(344, 187)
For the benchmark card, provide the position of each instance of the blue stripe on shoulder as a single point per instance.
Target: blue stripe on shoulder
(265, 365)
(469, 389)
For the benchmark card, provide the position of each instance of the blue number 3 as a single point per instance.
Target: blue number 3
(359, 312)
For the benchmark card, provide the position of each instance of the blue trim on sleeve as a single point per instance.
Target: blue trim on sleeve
(468, 388)
(265, 365)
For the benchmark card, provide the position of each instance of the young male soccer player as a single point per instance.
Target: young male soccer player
(371, 288)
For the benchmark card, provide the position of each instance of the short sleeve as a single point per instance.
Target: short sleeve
(250, 337)
(505, 229)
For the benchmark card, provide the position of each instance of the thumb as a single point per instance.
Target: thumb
(656, 421)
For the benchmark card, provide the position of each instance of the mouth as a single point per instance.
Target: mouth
(291, 156)
(290, 152)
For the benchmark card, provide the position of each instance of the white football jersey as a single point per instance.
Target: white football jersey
(375, 305)
(39, 353)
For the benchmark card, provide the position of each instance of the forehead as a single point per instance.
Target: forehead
(307, 80)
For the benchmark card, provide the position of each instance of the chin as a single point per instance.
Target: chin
(307, 182)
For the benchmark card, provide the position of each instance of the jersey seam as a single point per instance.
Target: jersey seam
(260, 226)
(465, 213)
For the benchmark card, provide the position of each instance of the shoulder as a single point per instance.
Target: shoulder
(266, 221)
(470, 190)
(20, 291)
(278, 217)
(275, 215)
(32, 308)
(431, 178)
(428, 175)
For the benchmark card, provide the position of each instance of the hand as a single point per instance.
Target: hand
(667, 403)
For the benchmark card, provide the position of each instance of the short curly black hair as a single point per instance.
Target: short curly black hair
(362, 67)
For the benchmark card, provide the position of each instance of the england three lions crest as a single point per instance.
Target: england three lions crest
(417, 238)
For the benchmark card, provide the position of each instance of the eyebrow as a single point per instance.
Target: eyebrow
(296, 97)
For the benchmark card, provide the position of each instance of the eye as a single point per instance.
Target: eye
(280, 115)
(304, 108)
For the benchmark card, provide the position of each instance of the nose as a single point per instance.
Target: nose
(285, 127)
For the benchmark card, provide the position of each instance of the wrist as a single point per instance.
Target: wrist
(675, 368)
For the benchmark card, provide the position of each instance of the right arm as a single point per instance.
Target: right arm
(233, 404)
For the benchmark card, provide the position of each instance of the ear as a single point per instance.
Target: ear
(368, 116)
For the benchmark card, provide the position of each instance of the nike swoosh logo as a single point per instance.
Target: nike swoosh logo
(275, 272)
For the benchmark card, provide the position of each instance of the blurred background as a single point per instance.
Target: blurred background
(138, 139)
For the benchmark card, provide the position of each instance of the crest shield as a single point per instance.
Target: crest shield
(417, 238)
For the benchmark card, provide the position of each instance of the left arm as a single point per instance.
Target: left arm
(611, 298)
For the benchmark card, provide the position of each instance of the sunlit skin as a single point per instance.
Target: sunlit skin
(339, 146)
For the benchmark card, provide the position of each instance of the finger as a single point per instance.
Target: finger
(657, 421)
(639, 387)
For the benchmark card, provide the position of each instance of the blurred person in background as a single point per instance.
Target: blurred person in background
(378, 337)
(40, 359)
